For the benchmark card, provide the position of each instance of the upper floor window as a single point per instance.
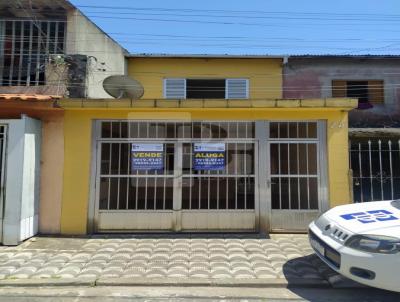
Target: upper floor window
(25, 46)
(178, 88)
(367, 92)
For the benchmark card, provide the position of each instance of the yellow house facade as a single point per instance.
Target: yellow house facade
(210, 147)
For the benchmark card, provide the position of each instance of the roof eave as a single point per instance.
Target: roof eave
(211, 56)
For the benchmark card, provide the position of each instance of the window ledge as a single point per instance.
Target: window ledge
(210, 103)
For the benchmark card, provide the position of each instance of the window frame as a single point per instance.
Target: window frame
(198, 78)
(335, 83)
(227, 90)
(165, 80)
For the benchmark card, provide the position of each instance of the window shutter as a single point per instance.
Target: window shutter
(237, 89)
(339, 89)
(376, 92)
(175, 88)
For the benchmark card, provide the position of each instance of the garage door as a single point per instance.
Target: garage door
(188, 176)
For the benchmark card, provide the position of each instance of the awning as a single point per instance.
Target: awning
(28, 97)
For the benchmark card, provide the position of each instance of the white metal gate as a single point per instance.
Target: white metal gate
(221, 200)
(178, 197)
(294, 184)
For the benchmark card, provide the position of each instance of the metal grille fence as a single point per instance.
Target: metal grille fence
(121, 188)
(25, 47)
(376, 169)
(177, 130)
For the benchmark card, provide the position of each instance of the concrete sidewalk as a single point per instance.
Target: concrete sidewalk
(164, 260)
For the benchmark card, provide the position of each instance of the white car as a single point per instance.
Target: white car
(361, 241)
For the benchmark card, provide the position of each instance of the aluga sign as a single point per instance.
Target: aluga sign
(209, 156)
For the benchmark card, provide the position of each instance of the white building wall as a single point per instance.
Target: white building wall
(85, 38)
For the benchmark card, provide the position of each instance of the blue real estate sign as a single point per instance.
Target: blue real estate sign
(147, 157)
(209, 156)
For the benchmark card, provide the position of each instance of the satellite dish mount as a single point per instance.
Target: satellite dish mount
(121, 86)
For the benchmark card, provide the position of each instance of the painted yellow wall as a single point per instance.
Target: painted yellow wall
(51, 174)
(78, 128)
(265, 75)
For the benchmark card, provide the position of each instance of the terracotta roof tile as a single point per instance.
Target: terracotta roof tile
(29, 97)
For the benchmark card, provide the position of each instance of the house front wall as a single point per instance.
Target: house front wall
(79, 151)
(100, 199)
(265, 75)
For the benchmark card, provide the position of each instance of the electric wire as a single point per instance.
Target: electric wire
(321, 16)
(339, 17)
(190, 38)
(114, 7)
(266, 88)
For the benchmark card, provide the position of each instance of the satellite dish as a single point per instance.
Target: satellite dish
(120, 86)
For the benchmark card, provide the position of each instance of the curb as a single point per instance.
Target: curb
(207, 282)
(48, 282)
(334, 282)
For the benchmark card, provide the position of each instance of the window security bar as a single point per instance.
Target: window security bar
(25, 47)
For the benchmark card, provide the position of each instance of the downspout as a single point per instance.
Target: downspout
(285, 62)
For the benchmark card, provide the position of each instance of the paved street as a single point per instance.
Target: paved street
(190, 258)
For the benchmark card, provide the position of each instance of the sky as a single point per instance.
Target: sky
(254, 27)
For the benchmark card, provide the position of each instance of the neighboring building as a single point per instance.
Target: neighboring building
(29, 163)
(49, 47)
(48, 50)
(374, 126)
(286, 161)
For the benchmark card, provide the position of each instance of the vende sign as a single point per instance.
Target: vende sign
(209, 156)
(147, 157)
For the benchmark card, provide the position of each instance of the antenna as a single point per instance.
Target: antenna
(121, 86)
